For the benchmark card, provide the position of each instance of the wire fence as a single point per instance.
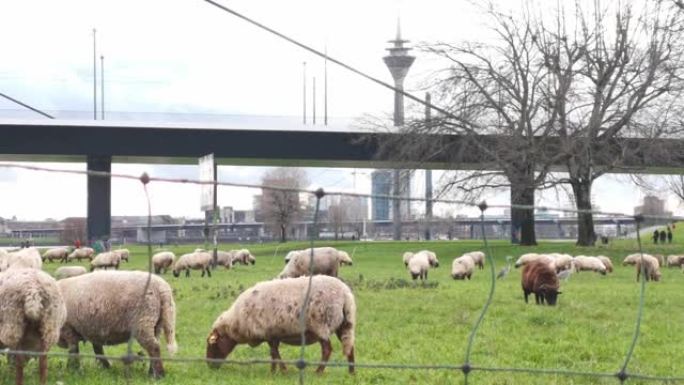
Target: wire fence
(466, 368)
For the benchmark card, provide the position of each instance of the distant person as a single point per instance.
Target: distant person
(77, 243)
(663, 236)
(669, 235)
(107, 244)
(655, 236)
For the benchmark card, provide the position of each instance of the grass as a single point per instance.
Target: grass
(401, 322)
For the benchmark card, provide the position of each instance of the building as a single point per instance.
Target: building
(227, 214)
(652, 205)
(381, 184)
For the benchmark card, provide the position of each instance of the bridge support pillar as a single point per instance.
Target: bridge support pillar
(99, 198)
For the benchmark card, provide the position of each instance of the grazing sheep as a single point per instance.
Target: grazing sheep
(539, 278)
(478, 257)
(407, 257)
(326, 261)
(69, 271)
(561, 262)
(606, 262)
(421, 262)
(58, 253)
(344, 258)
(651, 268)
(531, 257)
(105, 260)
(23, 258)
(463, 266)
(105, 307)
(32, 313)
(269, 312)
(660, 258)
(225, 258)
(82, 253)
(162, 261)
(290, 255)
(632, 259)
(243, 256)
(198, 260)
(675, 260)
(584, 263)
(124, 254)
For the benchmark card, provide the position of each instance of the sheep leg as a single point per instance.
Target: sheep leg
(527, 294)
(536, 298)
(202, 273)
(350, 359)
(151, 345)
(326, 350)
(19, 369)
(100, 352)
(73, 362)
(42, 365)
(208, 272)
(275, 356)
(187, 273)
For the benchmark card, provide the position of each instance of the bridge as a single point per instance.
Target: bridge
(99, 143)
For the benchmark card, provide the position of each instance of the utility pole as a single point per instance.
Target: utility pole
(94, 74)
(313, 101)
(102, 88)
(304, 92)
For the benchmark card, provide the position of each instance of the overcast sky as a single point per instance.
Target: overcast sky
(188, 57)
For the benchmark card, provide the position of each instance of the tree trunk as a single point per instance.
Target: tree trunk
(522, 220)
(283, 234)
(585, 221)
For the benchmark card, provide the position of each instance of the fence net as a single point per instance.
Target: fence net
(460, 366)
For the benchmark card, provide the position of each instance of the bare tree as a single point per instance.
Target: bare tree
(74, 229)
(281, 208)
(338, 216)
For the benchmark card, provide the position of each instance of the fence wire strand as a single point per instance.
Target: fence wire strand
(301, 363)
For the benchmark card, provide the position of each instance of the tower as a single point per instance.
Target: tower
(398, 62)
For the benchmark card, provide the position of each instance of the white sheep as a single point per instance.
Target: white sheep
(478, 257)
(421, 262)
(269, 312)
(407, 257)
(463, 266)
(32, 315)
(162, 261)
(69, 271)
(28, 258)
(81, 253)
(606, 262)
(651, 268)
(561, 262)
(58, 253)
(198, 260)
(531, 257)
(585, 263)
(675, 260)
(105, 307)
(326, 260)
(633, 258)
(124, 254)
(105, 260)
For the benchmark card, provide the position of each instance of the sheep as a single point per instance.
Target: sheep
(81, 253)
(58, 253)
(478, 258)
(124, 254)
(69, 271)
(198, 260)
(660, 258)
(561, 261)
(106, 307)
(243, 256)
(420, 263)
(105, 260)
(32, 314)
(531, 257)
(23, 258)
(632, 259)
(162, 261)
(269, 312)
(290, 255)
(539, 278)
(344, 258)
(463, 266)
(651, 268)
(225, 258)
(584, 263)
(606, 262)
(675, 260)
(407, 257)
(326, 261)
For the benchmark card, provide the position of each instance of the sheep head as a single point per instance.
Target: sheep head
(218, 348)
(550, 294)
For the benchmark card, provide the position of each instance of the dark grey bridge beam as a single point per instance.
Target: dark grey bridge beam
(99, 198)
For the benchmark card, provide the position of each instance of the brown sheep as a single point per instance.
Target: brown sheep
(539, 278)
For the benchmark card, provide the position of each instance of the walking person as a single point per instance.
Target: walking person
(669, 235)
(663, 236)
(655, 237)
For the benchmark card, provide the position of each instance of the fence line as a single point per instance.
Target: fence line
(466, 368)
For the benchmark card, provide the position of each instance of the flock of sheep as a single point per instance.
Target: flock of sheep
(107, 307)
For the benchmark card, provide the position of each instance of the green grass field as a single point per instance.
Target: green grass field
(400, 322)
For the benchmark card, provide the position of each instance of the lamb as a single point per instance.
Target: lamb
(326, 261)
(539, 278)
(198, 260)
(407, 257)
(462, 267)
(162, 261)
(24, 258)
(105, 307)
(478, 257)
(584, 263)
(81, 253)
(69, 271)
(32, 315)
(675, 260)
(651, 268)
(105, 260)
(269, 312)
(58, 253)
(420, 263)
(606, 262)
(124, 254)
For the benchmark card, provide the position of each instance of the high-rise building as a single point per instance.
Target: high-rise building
(381, 184)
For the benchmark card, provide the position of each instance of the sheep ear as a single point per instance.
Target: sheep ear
(213, 337)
